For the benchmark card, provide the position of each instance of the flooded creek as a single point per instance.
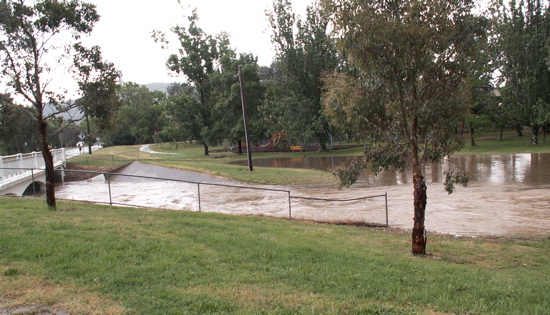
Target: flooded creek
(507, 194)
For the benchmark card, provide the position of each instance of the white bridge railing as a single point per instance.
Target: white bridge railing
(17, 164)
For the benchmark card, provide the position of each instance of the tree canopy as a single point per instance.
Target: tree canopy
(408, 87)
(304, 53)
(521, 31)
(36, 37)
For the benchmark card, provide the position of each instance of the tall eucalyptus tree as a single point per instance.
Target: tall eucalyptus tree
(409, 90)
(38, 37)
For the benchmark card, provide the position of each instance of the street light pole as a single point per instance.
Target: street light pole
(247, 135)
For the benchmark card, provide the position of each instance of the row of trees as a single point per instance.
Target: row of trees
(17, 137)
(408, 75)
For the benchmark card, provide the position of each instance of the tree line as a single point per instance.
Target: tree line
(414, 78)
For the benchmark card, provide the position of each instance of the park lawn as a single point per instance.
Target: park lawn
(93, 259)
(191, 157)
(489, 143)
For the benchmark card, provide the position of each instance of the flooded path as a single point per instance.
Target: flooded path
(507, 194)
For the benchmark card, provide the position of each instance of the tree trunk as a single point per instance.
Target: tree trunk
(420, 201)
(501, 132)
(461, 130)
(472, 141)
(535, 135)
(240, 146)
(420, 196)
(48, 161)
(205, 149)
(519, 132)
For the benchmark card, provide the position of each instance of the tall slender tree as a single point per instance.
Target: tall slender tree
(408, 91)
(304, 53)
(198, 60)
(35, 38)
(521, 34)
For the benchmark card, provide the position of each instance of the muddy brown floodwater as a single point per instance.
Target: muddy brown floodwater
(507, 195)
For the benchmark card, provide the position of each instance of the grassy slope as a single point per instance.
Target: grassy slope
(96, 259)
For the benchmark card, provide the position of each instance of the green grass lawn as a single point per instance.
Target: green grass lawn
(191, 157)
(489, 143)
(91, 259)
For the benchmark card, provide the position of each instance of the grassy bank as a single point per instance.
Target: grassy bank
(489, 143)
(191, 157)
(96, 259)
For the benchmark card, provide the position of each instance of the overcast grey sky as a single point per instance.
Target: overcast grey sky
(124, 31)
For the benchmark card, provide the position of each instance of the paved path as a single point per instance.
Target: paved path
(145, 148)
(74, 151)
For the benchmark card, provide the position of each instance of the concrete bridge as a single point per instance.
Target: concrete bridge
(25, 173)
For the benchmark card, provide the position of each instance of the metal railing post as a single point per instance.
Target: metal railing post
(289, 206)
(387, 220)
(109, 184)
(199, 195)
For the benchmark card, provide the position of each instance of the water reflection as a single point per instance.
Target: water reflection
(530, 169)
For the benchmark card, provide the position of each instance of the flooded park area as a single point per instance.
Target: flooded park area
(506, 195)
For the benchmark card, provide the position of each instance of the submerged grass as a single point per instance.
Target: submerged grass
(144, 261)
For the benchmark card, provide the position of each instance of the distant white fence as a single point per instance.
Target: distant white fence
(17, 164)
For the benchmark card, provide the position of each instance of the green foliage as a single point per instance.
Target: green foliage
(409, 91)
(139, 117)
(99, 87)
(37, 37)
(455, 176)
(228, 98)
(304, 53)
(521, 32)
(201, 58)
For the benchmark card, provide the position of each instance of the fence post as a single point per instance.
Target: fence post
(289, 206)
(109, 184)
(387, 221)
(199, 195)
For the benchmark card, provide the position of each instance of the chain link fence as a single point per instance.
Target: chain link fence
(174, 194)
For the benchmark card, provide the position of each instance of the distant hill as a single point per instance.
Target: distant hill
(74, 114)
(157, 86)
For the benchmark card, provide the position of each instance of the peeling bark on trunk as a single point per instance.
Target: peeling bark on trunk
(48, 161)
(420, 201)
(420, 196)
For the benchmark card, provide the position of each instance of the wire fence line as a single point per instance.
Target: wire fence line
(178, 194)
